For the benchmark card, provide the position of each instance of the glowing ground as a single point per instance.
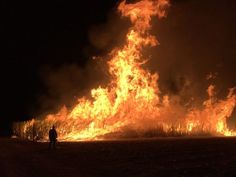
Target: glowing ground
(179, 157)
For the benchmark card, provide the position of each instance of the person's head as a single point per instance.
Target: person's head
(53, 127)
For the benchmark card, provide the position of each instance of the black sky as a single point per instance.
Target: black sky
(44, 36)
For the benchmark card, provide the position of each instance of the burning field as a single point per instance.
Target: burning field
(132, 105)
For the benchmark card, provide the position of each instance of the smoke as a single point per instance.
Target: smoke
(109, 35)
(68, 82)
(194, 41)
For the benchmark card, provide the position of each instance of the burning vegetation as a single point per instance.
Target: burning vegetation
(132, 104)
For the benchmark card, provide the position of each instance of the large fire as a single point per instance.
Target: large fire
(132, 99)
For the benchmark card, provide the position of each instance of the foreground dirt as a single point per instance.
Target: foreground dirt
(179, 157)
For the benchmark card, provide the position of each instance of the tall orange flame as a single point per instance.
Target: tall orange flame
(132, 99)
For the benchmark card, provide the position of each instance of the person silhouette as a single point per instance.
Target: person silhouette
(52, 138)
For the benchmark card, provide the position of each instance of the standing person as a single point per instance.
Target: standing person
(52, 137)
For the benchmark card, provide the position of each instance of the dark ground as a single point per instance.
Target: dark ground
(179, 157)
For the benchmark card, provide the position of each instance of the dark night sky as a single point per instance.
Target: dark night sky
(47, 41)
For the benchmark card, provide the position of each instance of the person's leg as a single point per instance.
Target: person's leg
(50, 144)
(54, 144)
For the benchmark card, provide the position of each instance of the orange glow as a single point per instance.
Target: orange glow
(132, 99)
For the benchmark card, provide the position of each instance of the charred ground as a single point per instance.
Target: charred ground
(190, 157)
